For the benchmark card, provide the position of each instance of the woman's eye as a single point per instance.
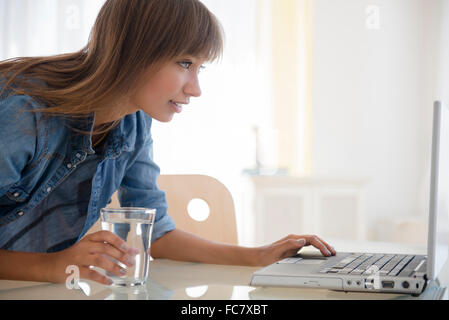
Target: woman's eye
(185, 64)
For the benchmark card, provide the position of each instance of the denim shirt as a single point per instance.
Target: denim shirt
(58, 162)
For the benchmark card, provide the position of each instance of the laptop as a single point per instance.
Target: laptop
(374, 272)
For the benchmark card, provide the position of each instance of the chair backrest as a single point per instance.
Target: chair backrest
(180, 191)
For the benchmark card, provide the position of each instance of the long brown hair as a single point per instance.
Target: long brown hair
(129, 36)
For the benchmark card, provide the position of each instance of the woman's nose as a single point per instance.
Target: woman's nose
(192, 87)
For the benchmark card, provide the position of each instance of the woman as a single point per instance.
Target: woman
(76, 127)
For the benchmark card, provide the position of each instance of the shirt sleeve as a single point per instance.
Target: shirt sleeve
(139, 189)
(17, 140)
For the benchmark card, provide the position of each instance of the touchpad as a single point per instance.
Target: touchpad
(315, 257)
(310, 261)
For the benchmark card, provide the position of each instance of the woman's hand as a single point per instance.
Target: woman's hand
(97, 249)
(185, 246)
(289, 246)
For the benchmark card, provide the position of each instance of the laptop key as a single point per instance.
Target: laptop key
(359, 261)
(368, 263)
(343, 263)
(345, 271)
(381, 262)
(401, 266)
(386, 269)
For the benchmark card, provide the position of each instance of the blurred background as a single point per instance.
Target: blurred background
(317, 119)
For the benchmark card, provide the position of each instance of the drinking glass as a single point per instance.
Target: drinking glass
(134, 226)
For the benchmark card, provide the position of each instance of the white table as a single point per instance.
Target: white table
(185, 280)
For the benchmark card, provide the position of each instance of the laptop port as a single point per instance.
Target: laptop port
(388, 284)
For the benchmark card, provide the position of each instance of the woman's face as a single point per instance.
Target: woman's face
(163, 94)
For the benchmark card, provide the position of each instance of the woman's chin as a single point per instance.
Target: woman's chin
(161, 117)
(164, 118)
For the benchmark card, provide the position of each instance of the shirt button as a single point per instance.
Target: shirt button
(20, 213)
(16, 194)
(48, 189)
(69, 166)
(78, 155)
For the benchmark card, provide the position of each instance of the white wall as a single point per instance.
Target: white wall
(435, 78)
(373, 94)
(213, 135)
(45, 27)
(439, 20)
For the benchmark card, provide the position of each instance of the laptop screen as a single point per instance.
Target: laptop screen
(438, 237)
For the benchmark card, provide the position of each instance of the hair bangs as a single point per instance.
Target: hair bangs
(203, 34)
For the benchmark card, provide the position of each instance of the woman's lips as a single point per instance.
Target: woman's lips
(177, 107)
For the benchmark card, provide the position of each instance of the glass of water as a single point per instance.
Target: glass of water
(134, 226)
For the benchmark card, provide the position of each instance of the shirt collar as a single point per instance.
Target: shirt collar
(81, 141)
(123, 137)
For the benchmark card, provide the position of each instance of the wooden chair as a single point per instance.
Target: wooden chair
(180, 190)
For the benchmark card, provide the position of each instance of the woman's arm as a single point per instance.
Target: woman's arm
(24, 266)
(183, 246)
(95, 249)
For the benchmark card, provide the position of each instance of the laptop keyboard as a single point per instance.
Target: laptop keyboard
(358, 264)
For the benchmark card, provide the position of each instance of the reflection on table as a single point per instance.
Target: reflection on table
(186, 280)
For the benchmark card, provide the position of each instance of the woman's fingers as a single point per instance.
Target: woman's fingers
(295, 245)
(113, 240)
(301, 242)
(329, 247)
(107, 249)
(325, 249)
(313, 240)
(104, 251)
(109, 237)
(288, 247)
(104, 262)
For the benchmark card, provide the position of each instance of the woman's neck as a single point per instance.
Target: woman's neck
(114, 112)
